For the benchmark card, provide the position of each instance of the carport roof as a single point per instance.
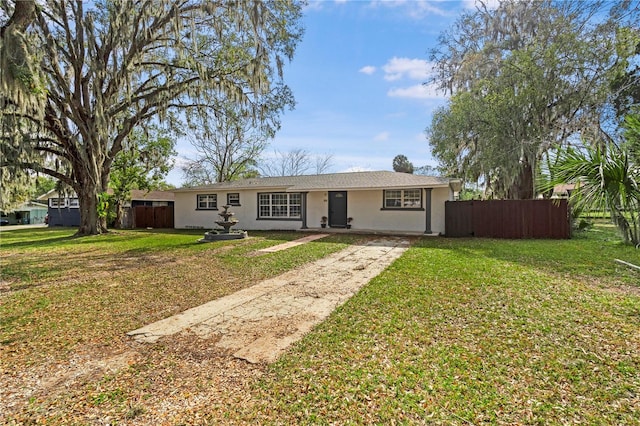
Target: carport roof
(331, 182)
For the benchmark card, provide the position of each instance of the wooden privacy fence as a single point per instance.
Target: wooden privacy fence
(153, 217)
(508, 219)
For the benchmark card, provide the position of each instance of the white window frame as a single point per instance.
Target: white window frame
(402, 198)
(74, 203)
(57, 203)
(235, 195)
(207, 202)
(280, 205)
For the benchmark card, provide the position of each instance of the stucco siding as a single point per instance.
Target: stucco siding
(438, 198)
(187, 215)
(364, 206)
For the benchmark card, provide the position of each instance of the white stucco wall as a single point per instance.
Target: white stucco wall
(186, 214)
(364, 206)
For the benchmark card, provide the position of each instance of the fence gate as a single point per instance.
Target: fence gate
(153, 217)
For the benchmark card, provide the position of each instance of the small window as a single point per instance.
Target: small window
(208, 202)
(74, 203)
(57, 202)
(233, 199)
(403, 199)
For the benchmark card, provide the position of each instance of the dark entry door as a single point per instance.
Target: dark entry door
(338, 209)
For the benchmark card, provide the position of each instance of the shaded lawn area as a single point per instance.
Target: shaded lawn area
(457, 331)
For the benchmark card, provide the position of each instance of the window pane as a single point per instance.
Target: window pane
(295, 202)
(279, 198)
(392, 198)
(264, 203)
(57, 202)
(295, 199)
(294, 211)
(412, 198)
(233, 199)
(208, 201)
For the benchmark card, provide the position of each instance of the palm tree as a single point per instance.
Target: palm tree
(606, 179)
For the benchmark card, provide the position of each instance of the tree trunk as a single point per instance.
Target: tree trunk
(90, 221)
(522, 188)
(119, 215)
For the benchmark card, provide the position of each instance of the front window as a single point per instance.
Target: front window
(402, 198)
(279, 205)
(57, 202)
(207, 202)
(233, 199)
(74, 203)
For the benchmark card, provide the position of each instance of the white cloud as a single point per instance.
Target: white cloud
(472, 4)
(415, 69)
(418, 91)
(312, 6)
(417, 9)
(381, 137)
(369, 69)
(353, 169)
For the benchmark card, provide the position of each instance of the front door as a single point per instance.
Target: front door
(338, 209)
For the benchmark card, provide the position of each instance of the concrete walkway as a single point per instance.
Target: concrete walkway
(293, 243)
(260, 322)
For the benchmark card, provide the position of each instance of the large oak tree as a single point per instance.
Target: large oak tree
(524, 78)
(79, 77)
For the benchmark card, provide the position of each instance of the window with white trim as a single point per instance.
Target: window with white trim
(402, 198)
(207, 201)
(57, 202)
(233, 198)
(74, 203)
(280, 205)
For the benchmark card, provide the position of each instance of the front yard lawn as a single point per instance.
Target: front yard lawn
(457, 331)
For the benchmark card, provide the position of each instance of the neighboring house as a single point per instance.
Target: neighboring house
(65, 210)
(563, 190)
(369, 201)
(29, 213)
(62, 210)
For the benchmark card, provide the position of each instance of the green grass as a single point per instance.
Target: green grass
(65, 291)
(455, 332)
(474, 332)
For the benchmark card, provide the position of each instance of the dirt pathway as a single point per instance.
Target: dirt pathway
(260, 322)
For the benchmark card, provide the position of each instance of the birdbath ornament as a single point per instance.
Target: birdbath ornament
(225, 233)
(228, 219)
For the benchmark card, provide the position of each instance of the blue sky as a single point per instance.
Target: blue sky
(357, 78)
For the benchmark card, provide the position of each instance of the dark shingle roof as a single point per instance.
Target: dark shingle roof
(333, 181)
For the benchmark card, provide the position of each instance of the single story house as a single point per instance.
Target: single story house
(29, 213)
(380, 201)
(65, 210)
(62, 210)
